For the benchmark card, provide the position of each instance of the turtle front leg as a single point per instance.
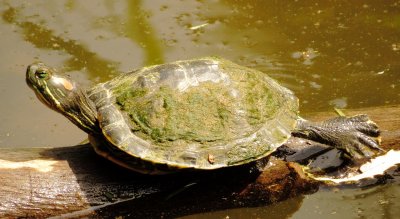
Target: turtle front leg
(357, 136)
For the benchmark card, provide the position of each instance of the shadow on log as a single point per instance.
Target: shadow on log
(75, 182)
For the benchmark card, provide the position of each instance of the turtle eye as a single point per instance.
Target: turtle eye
(41, 74)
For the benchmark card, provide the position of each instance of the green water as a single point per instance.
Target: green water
(343, 54)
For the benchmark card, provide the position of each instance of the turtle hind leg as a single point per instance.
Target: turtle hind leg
(357, 136)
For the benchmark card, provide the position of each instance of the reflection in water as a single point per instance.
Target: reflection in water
(281, 210)
(44, 38)
(141, 32)
(313, 47)
(355, 43)
(376, 202)
(137, 28)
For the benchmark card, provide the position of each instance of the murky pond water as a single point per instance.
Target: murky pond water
(331, 53)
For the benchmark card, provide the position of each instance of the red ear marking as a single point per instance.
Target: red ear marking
(67, 85)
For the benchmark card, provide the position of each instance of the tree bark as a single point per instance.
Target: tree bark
(75, 182)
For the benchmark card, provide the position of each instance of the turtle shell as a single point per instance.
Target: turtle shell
(203, 113)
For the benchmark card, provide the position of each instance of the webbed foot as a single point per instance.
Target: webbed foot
(357, 136)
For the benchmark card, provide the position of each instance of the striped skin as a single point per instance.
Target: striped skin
(250, 128)
(63, 96)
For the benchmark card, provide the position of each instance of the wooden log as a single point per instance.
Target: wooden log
(75, 182)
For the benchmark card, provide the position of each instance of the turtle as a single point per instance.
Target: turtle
(198, 114)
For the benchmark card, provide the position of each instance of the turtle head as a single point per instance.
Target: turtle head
(52, 90)
(62, 95)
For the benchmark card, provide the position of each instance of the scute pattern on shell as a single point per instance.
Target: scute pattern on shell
(182, 113)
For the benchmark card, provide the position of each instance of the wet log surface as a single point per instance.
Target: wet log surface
(75, 182)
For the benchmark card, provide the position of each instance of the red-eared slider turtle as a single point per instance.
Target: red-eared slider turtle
(204, 113)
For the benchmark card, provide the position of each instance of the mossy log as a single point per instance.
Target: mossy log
(75, 182)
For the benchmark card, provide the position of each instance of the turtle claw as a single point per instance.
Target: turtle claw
(364, 125)
(358, 150)
(356, 136)
(360, 136)
(370, 141)
(368, 135)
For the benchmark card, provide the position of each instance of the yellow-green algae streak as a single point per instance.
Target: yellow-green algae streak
(205, 113)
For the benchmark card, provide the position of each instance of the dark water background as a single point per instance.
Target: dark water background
(343, 54)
